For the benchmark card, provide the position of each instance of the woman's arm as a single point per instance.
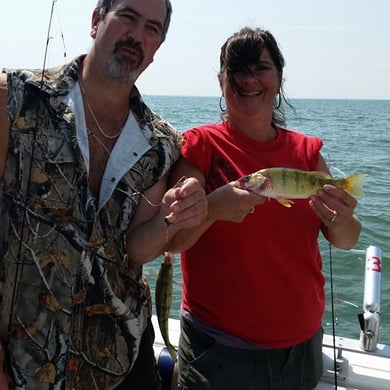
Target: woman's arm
(335, 207)
(227, 203)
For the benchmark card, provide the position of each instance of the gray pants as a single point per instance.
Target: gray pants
(204, 364)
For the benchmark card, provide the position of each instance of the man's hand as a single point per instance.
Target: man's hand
(187, 203)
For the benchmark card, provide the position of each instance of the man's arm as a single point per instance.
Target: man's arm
(160, 214)
(4, 123)
(4, 137)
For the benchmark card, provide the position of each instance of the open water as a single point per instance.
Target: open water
(356, 135)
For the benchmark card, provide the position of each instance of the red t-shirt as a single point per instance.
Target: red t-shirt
(259, 280)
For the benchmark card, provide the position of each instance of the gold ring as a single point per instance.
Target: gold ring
(334, 216)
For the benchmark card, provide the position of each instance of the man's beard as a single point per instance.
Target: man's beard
(123, 70)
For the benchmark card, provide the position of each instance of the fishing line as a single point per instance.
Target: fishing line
(147, 200)
(61, 32)
(178, 184)
(333, 314)
(333, 168)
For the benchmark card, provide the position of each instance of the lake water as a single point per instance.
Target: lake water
(356, 135)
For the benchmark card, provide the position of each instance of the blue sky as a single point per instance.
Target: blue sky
(333, 48)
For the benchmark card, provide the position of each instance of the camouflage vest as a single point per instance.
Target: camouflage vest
(72, 309)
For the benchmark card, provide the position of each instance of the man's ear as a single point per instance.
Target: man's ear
(94, 23)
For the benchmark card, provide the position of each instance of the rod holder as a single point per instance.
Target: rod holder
(369, 320)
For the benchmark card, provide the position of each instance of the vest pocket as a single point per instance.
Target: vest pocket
(49, 171)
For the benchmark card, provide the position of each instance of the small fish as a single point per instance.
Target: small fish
(284, 184)
(163, 299)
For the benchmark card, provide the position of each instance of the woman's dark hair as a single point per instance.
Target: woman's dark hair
(244, 48)
(103, 6)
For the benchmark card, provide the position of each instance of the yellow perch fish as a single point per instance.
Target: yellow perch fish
(163, 299)
(284, 184)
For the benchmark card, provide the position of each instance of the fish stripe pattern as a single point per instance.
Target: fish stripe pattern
(163, 299)
(285, 184)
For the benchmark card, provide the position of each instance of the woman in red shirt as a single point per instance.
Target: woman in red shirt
(253, 291)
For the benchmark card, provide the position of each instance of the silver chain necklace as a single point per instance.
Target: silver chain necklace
(101, 131)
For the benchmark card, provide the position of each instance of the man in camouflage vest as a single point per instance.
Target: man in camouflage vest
(84, 203)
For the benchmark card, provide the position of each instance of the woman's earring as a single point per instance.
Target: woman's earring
(278, 100)
(220, 104)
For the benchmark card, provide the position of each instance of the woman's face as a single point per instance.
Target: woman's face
(251, 90)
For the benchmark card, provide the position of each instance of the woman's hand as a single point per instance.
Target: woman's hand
(230, 203)
(335, 207)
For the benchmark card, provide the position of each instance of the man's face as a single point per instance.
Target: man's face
(128, 36)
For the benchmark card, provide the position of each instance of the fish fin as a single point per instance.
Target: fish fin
(285, 202)
(321, 174)
(180, 284)
(354, 184)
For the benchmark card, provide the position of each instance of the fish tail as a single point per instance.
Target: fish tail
(354, 184)
(172, 351)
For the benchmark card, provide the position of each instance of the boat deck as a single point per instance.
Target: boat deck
(357, 369)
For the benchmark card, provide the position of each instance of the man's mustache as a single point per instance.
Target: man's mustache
(130, 44)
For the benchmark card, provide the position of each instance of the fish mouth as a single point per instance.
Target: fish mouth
(247, 183)
(253, 183)
(243, 182)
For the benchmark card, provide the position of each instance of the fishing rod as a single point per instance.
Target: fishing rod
(20, 263)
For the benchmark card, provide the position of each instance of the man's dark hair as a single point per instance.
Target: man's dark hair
(103, 6)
